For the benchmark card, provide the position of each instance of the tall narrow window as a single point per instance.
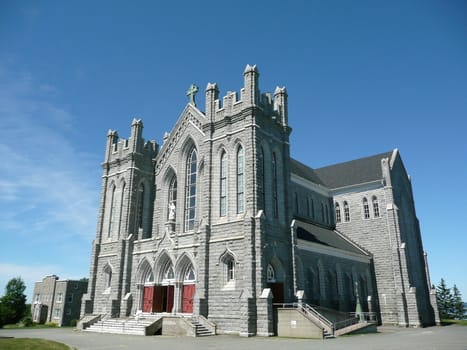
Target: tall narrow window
(326, 208)
(223, 185)
(262, 182)
(240, 181)
(230, 269)
(338, 213)
(375, 207)
(322, 212)
(172, 205)
(122, 194)
(274, 185)
(139, 217)
(112, 211)
(295, 200)
(190, 191)
(366, 208)
(346, 212)
(312, 208)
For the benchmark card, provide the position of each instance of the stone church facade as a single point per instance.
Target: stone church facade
(219, 221)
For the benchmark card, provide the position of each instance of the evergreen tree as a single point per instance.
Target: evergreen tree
(458, 308)
(445, 300)
(13, 303)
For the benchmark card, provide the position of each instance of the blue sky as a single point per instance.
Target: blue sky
(363, 77)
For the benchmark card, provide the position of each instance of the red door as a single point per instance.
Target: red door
(170, 299)
(148, 296)
(158, 304)
(187, 298)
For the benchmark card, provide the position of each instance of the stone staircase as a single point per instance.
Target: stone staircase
(144, 326)
(201, 330)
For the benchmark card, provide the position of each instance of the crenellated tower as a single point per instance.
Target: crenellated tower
(125, 215)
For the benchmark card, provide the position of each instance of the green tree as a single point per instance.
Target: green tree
(458, 308)
(13, 303)
(445, 300)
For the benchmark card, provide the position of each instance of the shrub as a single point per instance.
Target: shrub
(27, 321)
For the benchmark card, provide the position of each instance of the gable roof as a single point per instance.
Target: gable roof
(327, 237)
(304, 171)
(354, 172)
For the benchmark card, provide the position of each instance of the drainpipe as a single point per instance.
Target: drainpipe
(294, 268)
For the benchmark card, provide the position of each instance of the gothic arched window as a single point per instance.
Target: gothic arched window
(122, 194)
(274, 186)
(338, 212)
(190, 191)
(366, 208)
(375, 207)
(223, 185)
(270, 274)
(346, 212)
(168, 276)
(240, 181)
(112, 211)
(190, 275)
(140, 207)
(262, 182)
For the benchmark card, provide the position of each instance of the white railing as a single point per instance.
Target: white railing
(312, 313)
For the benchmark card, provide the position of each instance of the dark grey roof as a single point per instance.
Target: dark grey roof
(304, 171)
(330, 238)
(354, 172)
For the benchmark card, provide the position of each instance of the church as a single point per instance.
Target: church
(218, 222)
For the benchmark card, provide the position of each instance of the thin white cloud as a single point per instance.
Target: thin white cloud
(47, 185)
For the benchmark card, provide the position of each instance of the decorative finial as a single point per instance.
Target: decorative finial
(191, 93)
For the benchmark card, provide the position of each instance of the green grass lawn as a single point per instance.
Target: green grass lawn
(20, 326)
(31, 344)
(459, 322)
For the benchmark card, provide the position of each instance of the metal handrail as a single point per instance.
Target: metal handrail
(310, 311)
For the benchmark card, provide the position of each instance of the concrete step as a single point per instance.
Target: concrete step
(200, 330)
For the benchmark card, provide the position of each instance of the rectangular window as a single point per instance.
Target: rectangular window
(59, 297)
(70, 298)
(57, 313)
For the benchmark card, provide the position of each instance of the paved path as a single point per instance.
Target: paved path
(432, 338)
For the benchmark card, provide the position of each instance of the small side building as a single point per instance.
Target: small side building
(57, 301)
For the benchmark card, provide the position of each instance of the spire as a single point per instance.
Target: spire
(212, 94)
(280, 104)
(251, 89)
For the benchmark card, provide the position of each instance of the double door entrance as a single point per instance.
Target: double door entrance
(161, 298)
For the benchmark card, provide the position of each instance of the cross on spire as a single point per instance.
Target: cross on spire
(192, 90)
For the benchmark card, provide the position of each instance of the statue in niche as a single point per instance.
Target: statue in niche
(171, 211)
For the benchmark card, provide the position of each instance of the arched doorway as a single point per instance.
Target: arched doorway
(275, 280)
(164, 292)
